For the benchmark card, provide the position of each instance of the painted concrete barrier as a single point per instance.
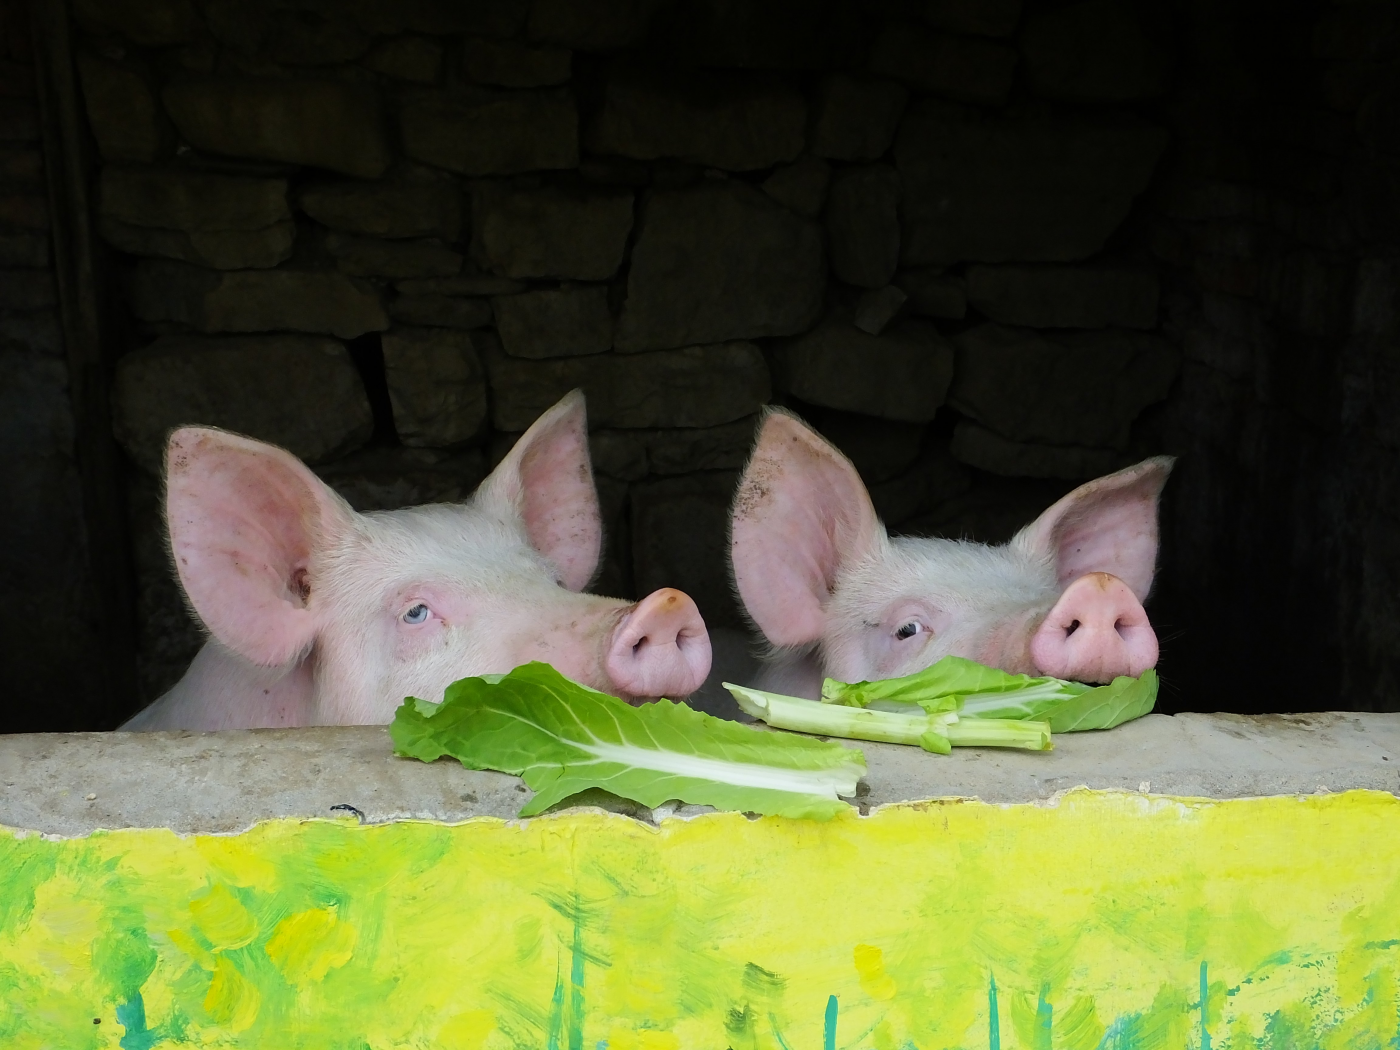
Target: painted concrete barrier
(1094, 918)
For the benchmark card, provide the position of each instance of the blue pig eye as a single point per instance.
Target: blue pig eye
(418, 614)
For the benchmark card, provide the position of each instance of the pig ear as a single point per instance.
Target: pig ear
(246, 521)
(1107, 525)
(801, 515)
(547, 479)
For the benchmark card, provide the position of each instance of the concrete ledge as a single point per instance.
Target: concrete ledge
(72, 784)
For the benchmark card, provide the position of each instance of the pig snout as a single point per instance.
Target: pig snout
(661, 648)
(1097, 631)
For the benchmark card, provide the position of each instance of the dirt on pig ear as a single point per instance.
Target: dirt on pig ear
(547, 481)
(1106, 525)
(800, 514)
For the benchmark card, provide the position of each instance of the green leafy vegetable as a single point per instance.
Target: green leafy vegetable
(975, 691)
(937, 732)
(1122, 700)
(957, 703)
(946, 680)
(562, 737)
(808, 716)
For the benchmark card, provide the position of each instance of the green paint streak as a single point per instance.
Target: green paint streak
(1205, 1008)
(576, 1005)
(1044, 1020)
(26, 865)
(773, 1021)
(1122, 1034)
(123, 956)
(763, 982)
(110, 922)
(738, 1021)
(1273, 962)
(131, 1015)
(556, 1009)
(993, 1021)
(1289, 1029)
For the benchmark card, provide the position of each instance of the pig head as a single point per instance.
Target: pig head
(322, 616)
(835, 596)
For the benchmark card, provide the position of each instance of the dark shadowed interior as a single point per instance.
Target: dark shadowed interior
(990, 249)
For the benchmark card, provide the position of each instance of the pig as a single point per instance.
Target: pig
(835, 596)
(322, 616)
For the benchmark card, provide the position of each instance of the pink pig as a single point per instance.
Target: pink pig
(837, 597)
(322, 616)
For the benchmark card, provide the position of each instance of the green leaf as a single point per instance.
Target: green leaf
(1034, 700)
(907, 724)
(1110, 705)
(562, 737)
(921, 688)
(950, 684)
(975, 691)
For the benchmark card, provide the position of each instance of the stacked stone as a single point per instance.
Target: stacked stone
(49, 631)
(1278, 238)
(388, 234)
(28, 295)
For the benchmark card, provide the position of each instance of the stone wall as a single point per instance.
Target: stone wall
(387, 234)
(989, 249)
(1276, 231)
(53, 670)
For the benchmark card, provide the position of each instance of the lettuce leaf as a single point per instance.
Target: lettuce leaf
(950, 680)
(562, 738)
(1107, 706)
(908, 724)
(976, 691)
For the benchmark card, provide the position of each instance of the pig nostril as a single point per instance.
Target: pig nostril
(1074, 626)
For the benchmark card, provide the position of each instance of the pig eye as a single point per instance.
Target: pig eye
(418, 614)
(908, 630)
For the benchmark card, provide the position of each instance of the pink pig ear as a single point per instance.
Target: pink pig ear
(1106, 525)
(246, 521)
(800, 515)
(547, 479)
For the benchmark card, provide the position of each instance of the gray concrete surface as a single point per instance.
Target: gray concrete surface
(71, 784)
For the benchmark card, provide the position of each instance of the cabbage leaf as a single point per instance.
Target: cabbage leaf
(976, 691)
(939, 731)
(562, 738)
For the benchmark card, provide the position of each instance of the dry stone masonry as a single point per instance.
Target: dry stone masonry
(1274, 233)
(52, 640)
(387, 234)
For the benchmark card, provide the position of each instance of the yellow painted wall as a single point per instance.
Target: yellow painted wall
(1109, 920)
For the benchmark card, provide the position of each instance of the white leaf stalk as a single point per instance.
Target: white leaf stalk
(933, 732)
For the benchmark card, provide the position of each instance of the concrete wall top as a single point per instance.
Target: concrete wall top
(71, 784)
